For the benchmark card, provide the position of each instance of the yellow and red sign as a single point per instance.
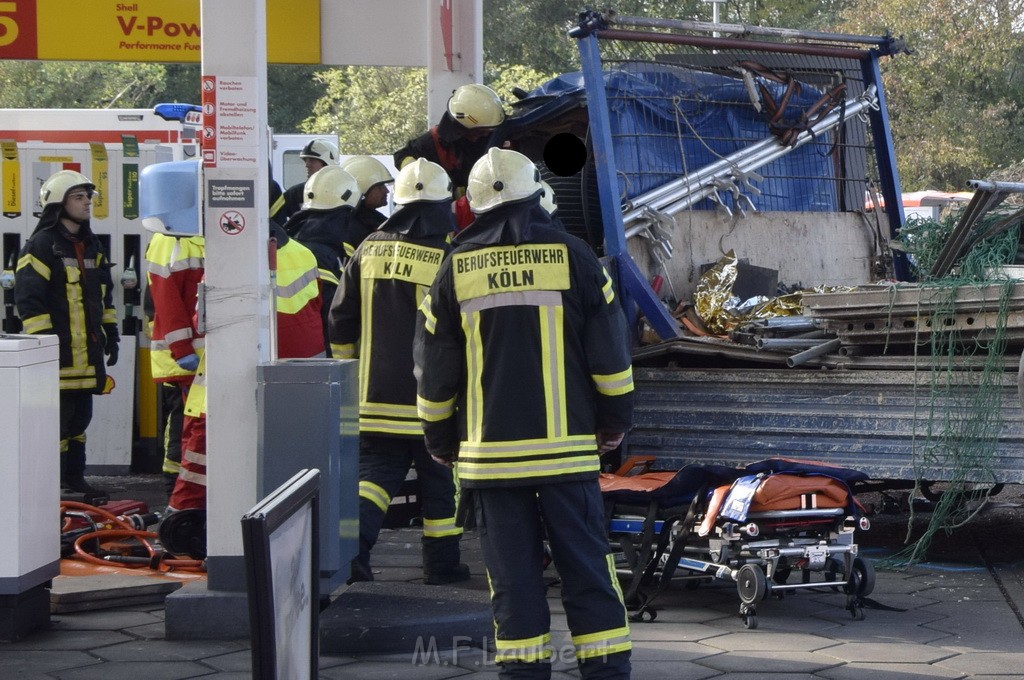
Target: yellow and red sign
(145, 30)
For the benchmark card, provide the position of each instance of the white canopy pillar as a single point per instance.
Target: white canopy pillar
(454, 51)
(238, 295)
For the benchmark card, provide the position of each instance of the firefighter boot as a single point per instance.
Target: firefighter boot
(441, 561)
(359, 567)
(359, 571)
(72, 477)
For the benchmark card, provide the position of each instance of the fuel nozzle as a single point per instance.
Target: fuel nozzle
(129, 279)
(7, 276)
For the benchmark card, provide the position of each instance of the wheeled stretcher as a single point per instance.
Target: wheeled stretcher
(772, 526)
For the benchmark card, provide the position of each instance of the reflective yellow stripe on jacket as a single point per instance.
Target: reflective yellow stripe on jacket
(195, 404)
(296, 279)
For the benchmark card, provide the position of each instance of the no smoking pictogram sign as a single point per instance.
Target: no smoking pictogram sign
(232, 222)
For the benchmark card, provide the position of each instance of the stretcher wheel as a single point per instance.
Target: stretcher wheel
(857, 613)
(861, 580)
(750, 621)
(751, 584)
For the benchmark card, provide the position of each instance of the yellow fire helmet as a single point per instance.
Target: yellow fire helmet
(476, 106)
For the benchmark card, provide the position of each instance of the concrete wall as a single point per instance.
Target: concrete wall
(810, 248)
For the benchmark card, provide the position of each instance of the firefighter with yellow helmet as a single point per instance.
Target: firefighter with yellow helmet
(63, 287)
(462, 135)
(524, 379)
(373, 317)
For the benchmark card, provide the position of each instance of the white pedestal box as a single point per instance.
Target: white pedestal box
(29, 479)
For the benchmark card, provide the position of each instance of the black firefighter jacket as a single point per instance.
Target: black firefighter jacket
(374, 312)
(69, 294)
(332, 235)
(522, 353)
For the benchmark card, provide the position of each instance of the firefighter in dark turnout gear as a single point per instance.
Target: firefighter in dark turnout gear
(317, 154)
(374, 310)
(63, 287)
(524, 378)
(325, 226)
(373, 178)
(462, 135)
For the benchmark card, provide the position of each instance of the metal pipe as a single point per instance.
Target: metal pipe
(786, 343)
(811, 584)
(814, 352)
(681, 193)
(744, 29)
(748, 165)
(733, 44)
(985, 185)
(790, 322)
(770, 144)
(811, 334)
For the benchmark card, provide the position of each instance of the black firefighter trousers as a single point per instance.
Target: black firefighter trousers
(75, 416)
(384, 463)
(513, 522)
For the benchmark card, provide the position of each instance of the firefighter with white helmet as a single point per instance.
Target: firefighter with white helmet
(462, 135)
(317, 154)
(373, 317)
(549, 203)
(325, 226)
(63, 287)
(373, 178)
(524, 379)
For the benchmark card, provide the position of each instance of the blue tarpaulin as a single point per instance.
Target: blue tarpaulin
(670, 121)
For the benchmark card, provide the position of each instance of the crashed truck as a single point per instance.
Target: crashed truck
(701, 159)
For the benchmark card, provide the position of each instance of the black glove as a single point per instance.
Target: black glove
(110, 343)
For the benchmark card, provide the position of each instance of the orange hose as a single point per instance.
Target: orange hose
(122, 529)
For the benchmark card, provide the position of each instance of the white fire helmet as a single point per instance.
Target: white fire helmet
(422, 180)
(328, 188)
(501, 176)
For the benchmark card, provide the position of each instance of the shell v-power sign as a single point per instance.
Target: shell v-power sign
(147, 30)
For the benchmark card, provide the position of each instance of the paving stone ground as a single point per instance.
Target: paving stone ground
(953, 616)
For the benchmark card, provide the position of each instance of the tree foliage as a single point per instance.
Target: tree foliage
(71, 84)
(956, 102)
(373, 109)
(376, 109)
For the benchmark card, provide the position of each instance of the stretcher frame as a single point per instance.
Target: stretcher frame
(659, 542)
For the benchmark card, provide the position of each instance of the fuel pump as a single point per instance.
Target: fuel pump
(11, 246)
(131, 292)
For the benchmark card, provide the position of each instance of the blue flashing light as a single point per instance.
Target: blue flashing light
(183, 113)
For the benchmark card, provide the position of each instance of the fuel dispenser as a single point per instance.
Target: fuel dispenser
(11, 247)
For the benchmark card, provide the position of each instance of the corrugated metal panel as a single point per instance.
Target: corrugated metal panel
(875, 421)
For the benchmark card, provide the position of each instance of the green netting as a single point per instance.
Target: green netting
(963, 410)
